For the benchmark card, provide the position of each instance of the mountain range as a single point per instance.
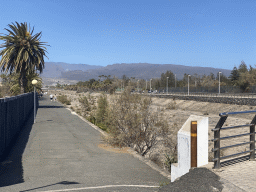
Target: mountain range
(55, 69)
(84, 72)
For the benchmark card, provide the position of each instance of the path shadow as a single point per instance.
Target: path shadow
(234, 161)
(50, 106)
(59, 183)
(11, 170)
(42, 98)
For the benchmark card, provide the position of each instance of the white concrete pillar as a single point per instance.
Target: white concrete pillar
(184, 146)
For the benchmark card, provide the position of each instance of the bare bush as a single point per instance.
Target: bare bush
(171, 105)
(85, 104)
(91, 99)
(132, 124)
(64, 99)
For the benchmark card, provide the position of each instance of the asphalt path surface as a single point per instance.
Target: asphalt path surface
(60, 152)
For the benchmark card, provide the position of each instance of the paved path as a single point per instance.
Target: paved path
(61, 151)
(242, 175)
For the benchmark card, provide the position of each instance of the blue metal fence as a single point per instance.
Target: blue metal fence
(14, 111)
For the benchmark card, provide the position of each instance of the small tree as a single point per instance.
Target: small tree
(234, 76)
(171, 79)
(242, 67)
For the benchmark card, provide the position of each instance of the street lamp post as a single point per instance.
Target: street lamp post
(150, 85)
(138, 85)
(188, 84)
(175, 82)
(219, 82)
(34, 82)
(167, 85)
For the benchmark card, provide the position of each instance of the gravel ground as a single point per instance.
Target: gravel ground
(197, 180)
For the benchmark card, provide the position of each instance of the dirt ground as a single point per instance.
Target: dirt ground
(177, 112)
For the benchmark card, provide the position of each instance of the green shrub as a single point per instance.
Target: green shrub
(169, 160)
(102, 126)
(64, 99)
(101, 112)
(92, 119)
(163, 183)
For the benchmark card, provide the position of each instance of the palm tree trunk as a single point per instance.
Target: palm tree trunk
(23, 82)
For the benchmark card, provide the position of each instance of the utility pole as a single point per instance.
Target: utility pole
(219, 82)
(167, 85)
(150, 85)
(175, 81)
(138, 85)
(188, 84)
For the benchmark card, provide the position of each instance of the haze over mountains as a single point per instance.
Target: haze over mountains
(55, 69)
(84, 72)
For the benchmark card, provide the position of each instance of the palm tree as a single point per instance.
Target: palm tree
(23, 53)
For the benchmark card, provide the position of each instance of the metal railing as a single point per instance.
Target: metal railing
(217, 138)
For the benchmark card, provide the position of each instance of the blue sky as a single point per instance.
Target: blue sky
(207, 33)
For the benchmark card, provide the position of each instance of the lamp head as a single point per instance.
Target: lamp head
(34, 82)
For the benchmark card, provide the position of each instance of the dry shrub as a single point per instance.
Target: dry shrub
(171, 105)
(131, 123)
(205, 113)
(171, 151)
(156, 159)
(64, 99)
(91, 99)
(85, 104)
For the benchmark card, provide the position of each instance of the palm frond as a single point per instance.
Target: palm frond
(35, 37)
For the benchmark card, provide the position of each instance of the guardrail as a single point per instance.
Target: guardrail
(217, 138)
(14, 111)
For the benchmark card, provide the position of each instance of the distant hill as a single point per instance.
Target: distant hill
(140, 71)
(55, 69)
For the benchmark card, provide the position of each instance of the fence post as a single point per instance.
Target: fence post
(252, 144)
(252, 139)
(217, 152)
(217, 142)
